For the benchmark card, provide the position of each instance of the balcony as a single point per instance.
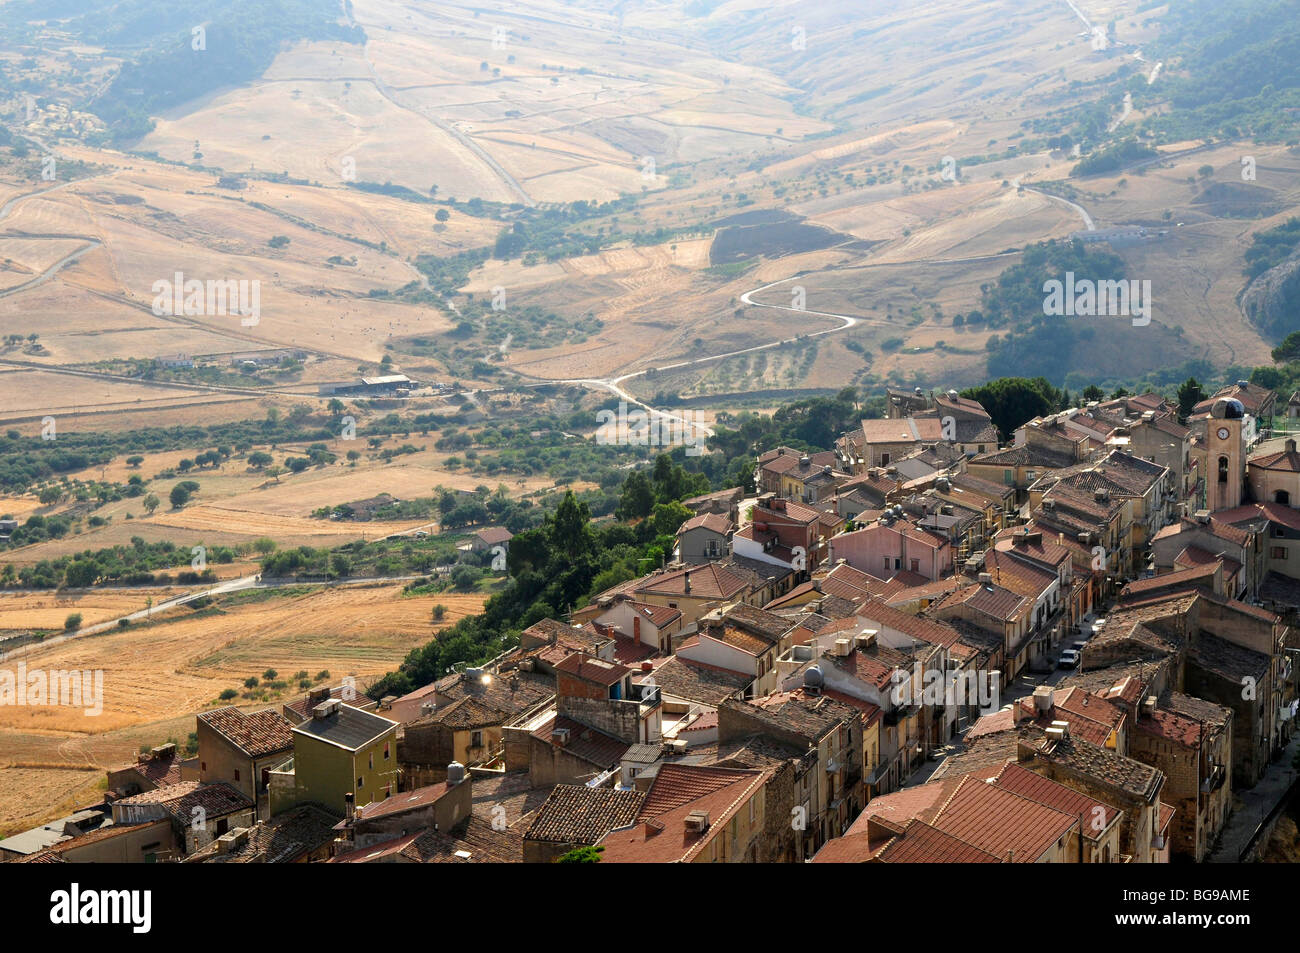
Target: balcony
(1214, 780)
(895, 716)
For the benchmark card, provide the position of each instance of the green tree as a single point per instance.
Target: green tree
(638, 498)
(179, 496)
(81, 573)
(1011, 401)
(582, 855)
(568, 531)
(1189, 395)
(1289, 349)
(669, 517)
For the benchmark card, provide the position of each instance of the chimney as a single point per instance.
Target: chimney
(1290, 445)
(349, 805)
(686, 583)
(1043, 699)
(455, 773)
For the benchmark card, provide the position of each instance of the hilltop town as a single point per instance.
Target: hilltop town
(1076, 644)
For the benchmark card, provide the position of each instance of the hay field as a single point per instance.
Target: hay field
(47, 610)
(180, 665)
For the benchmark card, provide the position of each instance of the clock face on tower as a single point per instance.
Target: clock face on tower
(1223, 433)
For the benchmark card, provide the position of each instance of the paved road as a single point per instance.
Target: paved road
(1257, 804)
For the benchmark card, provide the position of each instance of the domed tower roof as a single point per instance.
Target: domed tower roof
(1228, 408)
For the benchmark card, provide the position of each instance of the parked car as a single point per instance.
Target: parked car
(1069, 659)
(1079, 645)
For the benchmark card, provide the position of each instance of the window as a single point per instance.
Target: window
(898, 563)
(1277, 552)
(361, 782)
(1283, 497)
(1008, 476)
(476, 739)
(236, 774)
(385, 750)
(884, 459)
(916, 565)
(372, 761)
(203, 766)
(886, 562)
(1223, 469)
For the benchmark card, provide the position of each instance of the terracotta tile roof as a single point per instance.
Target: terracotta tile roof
(1287, 460)
(1224, 657)
(632, 654)
(347, 693)
(42, 857)
(864, 667)
(576, 814)
(512, 792)
(809, 716)
(965, 405)
(1252, 397)
(916, 843)
(593, 669)
(1081, 704)
(697, 682)
(1102, 765)
(404, 801)
(661, 835)
(709, 581)
(1171, 726)
(463, 714)
(1197, 709)
(1024, 456)
(376, 852)
(494, 534)
(710, 521)
(472, 841)
(1018, 575)
(993, 601)
(602, 750)
(257, 734)
(1167, 812)
(1020, 781)
(157, 771)
(920, 843)
(1256, 512)
(216, 799)
(746, 642)
(902, 430)
(1002, 822)
(284, 839)
(1182, 579)
(919, 627)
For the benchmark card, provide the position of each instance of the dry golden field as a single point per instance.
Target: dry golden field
(157, 676)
